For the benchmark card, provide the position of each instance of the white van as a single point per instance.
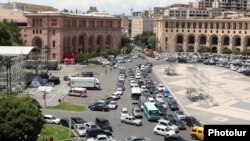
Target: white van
(81, 92)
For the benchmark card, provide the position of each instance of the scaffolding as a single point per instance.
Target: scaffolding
(197, 84)
(13, 78)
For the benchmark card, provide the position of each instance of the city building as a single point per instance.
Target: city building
(141, 24)
(67, 34)
(227, 31)
(13, 16)
(204, 4)
(18, 6)
(239, 5)
(183, 12)
(92, 9)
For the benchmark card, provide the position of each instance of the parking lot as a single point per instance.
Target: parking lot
(108, 85)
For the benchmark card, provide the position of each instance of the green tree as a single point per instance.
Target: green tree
(113, 51)
(137, 40)
(128, 49)
(227, 51)
(152, 40)
(104, 52)
(125, 40)
(84, 57)
(19, 117)
(245, 52)
(203, 49)
(9, 34)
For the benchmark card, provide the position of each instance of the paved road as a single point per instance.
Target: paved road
(108, 83)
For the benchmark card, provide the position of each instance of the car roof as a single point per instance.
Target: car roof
(48, 115)
(124, 108)
(163, 120)
(160, 126)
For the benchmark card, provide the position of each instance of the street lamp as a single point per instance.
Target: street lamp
(8, 63)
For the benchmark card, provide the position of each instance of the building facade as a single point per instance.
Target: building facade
(67, 34)
(240, 5)
(141, 24)
(182, 12)
(174, 35)
(18, 6)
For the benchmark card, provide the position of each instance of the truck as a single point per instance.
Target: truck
(85, 82)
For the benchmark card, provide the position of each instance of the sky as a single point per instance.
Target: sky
(109, 6)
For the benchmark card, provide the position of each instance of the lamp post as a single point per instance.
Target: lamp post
(8, 63)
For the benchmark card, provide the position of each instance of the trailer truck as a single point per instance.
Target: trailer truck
(85, 82)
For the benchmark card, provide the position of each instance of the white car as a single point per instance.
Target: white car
(130, 120)
(129, 60)
(113, 105)
(151, 99)
(168, 124)
(115, 96)
(80, 129)
(138, 76)
(51, 119)
(101, 137)
(163, 130)
(90, 125)
(143, 88)
(163, 103)
(124, 112)
(119, 91)
(122, 78)
(180, 115)
(159, 97)
(160, 87)
(132, 82)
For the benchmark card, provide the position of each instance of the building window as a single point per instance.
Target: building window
(54, 32)
(223, 26)
(194, 25)
(205, 25)
(246, 26)
(40, 31)
(234, 32)
(228, 32)
(217, 26)
(216, 31)
(33, 31)
(240, 25)
(200, 25)
(182, 30)
(166, 39)
(171, 30)
(234, 25)
(188, 30)
(36, 31)
(239, 32)
(182, 25)
(205, 31)
(166, 30)
(177, 25)
(211, 31)
(176, 30)
(200, 31)
(222, 31)
(245, 32)
(166, 25)
(25, 35)
(54, 56)
(188, 25)
(53, 44)
(228, 26)
(194, 31)
(54, 22)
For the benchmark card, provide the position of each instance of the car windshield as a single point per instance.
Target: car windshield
(82, 128)
(153, 112)
(162, 103)
(93, 126)
(125, 112)
(112, 102)
(53, 118)
(137, 111)
(180, 113)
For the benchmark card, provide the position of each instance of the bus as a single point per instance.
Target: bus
(135, 95)
(150, 111)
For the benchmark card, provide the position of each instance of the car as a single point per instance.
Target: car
(163, 130)
(103, 124)
(112, 105)
(162, 102)
(151, 99)
(143, 88)
(90, 125)
(180, 115)
(158, 97)
(101, 137)
(140, 82)
(115, 96)
(152, 89)
(166, 92)
(65, 122)
(168, 124)
(94, 132)
(132, 82)
(136, 111)
(180, 123)
(129, 60)
(121, 86)
(80, 129)
(197, 133)
(173, 105)
(137, 138)
(146, 93)
(51, 119)
(138, 76)
(161, 109)
(160, 87)
(119, 91)
(174, 138)
(130, 120)
(106, 99)
(192, 121)
(168, 117)
(98, 107)
(124, 112)
(78, 120)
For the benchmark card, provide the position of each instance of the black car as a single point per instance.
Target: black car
(173, 138)
(180, 123)
(98, 107)
(78, 120)
(169, 117)
(161, 109)
(106, 99)
(144, 73)
(103, 123)
(91, 133)
(88, 74)
(192, 121)
(148, 69)
(121, 86)
(140, 82)
(173, 105)
(65, 122)
(152, 89)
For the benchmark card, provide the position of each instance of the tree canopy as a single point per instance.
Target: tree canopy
(227, 51)
(203, 49)
(19, 117)
(145, 39)
(9, 34)
(83, 57)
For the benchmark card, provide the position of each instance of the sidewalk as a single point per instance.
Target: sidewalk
(225, 87)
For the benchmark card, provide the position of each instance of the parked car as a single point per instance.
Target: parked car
(168, 117)
(51, 119)
(96, 131)
(98, 107)
(168, 124)
(119, 91)
(173, 138)
(173, 105)
(160, 87)
(112, 105)
(124, 112)
(180, 123)
(80, 129)
(180, 115)
(101, 137)
(137, 138)
(78, 120)
(166, 92)
(90, 125)
(65, 122)
(163, 130)
(115, 96)
(103, 124)
(130, 120)
(192, 121)
(106, 99)
(161, 109)
(136, 111)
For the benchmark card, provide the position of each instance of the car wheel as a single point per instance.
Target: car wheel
(155, 133)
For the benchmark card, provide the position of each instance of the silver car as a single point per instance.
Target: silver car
(136, 111)
(130, 120)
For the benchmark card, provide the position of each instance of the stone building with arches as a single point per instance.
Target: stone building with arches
(188, 35)
(68, 34)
